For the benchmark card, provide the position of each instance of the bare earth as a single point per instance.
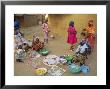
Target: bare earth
(57, 46)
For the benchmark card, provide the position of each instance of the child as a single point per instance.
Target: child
(71, 35)
(45, 30)
(19, 54)
(84, 32)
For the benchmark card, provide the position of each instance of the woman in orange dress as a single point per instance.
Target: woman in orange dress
(91, 33)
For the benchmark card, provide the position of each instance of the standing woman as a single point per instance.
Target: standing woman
(72, 39)
(16, 26)
(91, 33)
(46, 30)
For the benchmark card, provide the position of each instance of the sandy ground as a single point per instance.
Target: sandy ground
(57, 46)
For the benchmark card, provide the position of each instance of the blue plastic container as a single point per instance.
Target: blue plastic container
(85, 69)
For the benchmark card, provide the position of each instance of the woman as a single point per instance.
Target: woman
(72, 39)
(91, 33)
(46, 30)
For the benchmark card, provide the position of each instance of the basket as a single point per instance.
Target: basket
(69, 58)
(74, 68)
(85, 69)
(43, 52)
(41, 71)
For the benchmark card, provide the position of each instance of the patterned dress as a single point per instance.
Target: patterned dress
(45, 30)
(91, 36)
(20, 54)
(36, 45)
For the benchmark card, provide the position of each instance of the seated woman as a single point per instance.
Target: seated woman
(83, 46)
(20, 54)
(83, 49)
(36, 44)
(17, 27)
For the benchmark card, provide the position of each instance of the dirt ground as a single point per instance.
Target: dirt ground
(57, 46)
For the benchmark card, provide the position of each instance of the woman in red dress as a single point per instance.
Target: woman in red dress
(72, 39)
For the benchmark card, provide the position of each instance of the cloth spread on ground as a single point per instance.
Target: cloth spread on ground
(51, 60)
(34, 58)
(55, 71)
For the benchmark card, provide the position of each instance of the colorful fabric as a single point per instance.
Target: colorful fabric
(19, 40)
(46, 36)
(71, 35)
(90, 30)
(81, 49)
(45, 27)
(37, 45)
(55, 71)
(51, 60)
(45, 30)
(83, 41)
(91, 40)
(62, 60)
(20, 54)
